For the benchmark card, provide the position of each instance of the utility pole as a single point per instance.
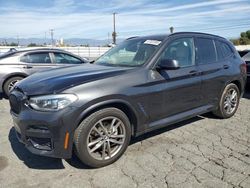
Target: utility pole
(114, 32)
(108, 37)
(52, 34)
(45, 38)
(17, 40)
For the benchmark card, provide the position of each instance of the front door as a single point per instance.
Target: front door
(177, 90)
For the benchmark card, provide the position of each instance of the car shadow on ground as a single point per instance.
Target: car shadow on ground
(40, 162)
(45, 163)
(29, 159)
(1, 96)
(247, 92)
(165, 129)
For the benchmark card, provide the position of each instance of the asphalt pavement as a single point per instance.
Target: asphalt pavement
(201, 152)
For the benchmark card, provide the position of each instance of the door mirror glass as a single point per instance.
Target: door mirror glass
(169, 64)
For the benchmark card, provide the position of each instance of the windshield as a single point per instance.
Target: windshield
(131, 53)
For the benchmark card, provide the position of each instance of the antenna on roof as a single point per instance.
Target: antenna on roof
(171, 29)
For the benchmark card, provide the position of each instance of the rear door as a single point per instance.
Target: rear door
(213, 69)
(36, 61)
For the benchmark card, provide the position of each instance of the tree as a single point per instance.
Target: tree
(243, 40)
(13, 44)
(235, 41)
(84, 45)
(243, 34)
(248, 34)
(32, 45)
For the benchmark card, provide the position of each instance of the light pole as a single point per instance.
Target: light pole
(52, 35)
(114, 32)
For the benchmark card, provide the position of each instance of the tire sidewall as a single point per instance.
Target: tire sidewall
(88, 123)
(6, 84)
(228, 87)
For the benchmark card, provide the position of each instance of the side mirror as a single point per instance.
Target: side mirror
(168, 64)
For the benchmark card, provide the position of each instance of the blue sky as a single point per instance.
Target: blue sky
(93, 18)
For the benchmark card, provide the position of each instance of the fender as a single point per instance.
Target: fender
(234, 80)
(91, 108)
(14, 74)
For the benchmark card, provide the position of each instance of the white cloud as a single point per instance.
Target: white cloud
(134, 18)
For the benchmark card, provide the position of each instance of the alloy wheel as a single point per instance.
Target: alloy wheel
(106, 138)
(12, 84)
(230, 101)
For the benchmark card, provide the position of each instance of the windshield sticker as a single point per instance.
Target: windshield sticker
(153, 42)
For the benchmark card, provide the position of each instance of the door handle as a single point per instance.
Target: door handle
(27, 67)
(225, 66)
(193, 73)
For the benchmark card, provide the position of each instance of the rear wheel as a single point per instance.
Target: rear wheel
(229, 102)
(102, 137)
(10, 83)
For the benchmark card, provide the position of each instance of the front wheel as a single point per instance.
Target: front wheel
(102, 137)
(229, 102)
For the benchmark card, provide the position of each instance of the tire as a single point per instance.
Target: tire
(8, 85)
(224, 104)
(95, 133)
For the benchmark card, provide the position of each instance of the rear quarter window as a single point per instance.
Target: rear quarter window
(223, 49)
(205, 50)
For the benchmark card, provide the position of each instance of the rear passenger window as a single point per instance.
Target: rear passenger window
(205, 51)
(36, 58)
(223, 50)
(62, 58)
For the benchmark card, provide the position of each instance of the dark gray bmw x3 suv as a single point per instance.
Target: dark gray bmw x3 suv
(143, 84)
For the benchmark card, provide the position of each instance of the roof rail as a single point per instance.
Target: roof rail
(176, 33)
(131, 37)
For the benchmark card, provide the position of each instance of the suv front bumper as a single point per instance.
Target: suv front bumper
(46, 133)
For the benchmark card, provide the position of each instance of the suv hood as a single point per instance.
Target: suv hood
(57, 80)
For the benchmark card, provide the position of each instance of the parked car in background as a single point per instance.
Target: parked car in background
(245, 55)
(16, 65)
(140, 85)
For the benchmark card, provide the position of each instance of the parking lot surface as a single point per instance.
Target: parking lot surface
(201, 152)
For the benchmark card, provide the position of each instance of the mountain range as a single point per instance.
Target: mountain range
(70, 41)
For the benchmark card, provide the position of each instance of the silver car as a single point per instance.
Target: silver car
(16, 65)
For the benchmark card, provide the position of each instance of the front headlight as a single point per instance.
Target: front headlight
(52, 102)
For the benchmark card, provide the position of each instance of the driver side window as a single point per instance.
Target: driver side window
(181, 50)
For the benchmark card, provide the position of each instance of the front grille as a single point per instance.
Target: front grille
(15, 103)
